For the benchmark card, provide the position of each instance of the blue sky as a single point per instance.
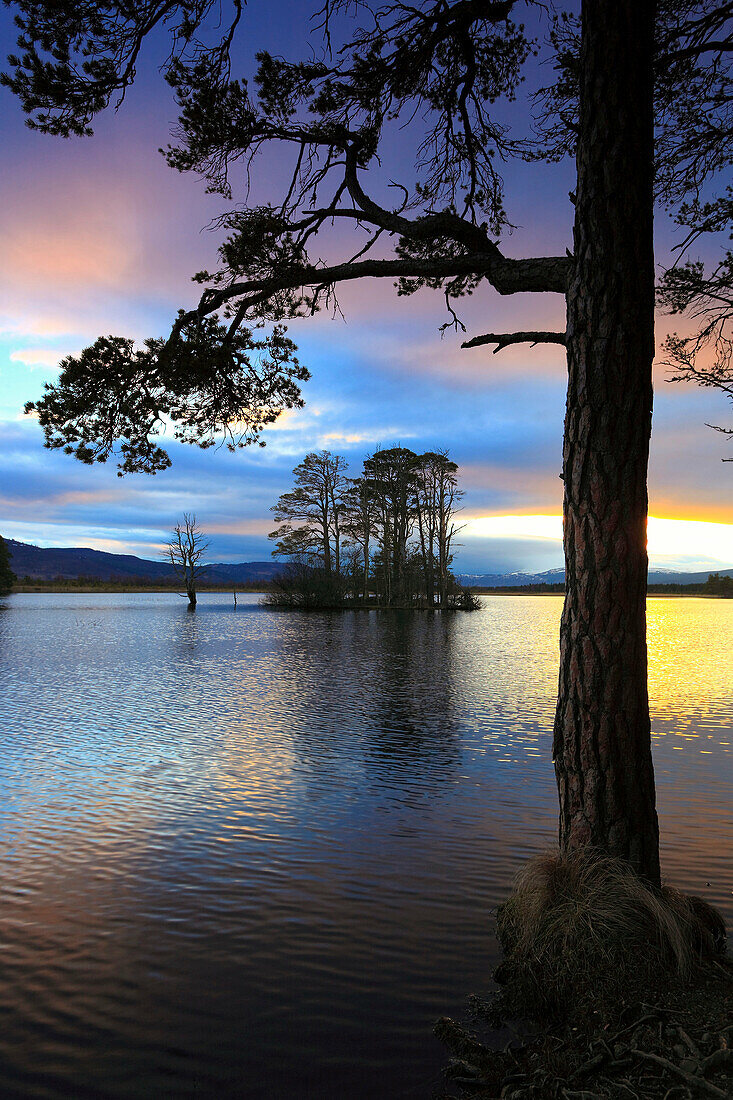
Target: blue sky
(99, 236)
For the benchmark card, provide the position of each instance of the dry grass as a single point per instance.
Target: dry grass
(583, 929)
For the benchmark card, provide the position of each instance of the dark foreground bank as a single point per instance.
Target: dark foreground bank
(673, 1044)
(628, 984)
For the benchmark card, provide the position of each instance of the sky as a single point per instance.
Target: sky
(99, 236)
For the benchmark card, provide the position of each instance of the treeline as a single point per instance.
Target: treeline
(7, 576)
(82, 580)
(127, 581)
(715, 585)
(385, 537)
(541, 588)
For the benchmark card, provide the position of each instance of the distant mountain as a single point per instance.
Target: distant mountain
(79, 561)
(243, 572)
(511, 580)
(557, 576)
(70, 562)
(658, 576)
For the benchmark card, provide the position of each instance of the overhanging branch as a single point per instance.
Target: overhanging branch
(504, 339)
(540, 275)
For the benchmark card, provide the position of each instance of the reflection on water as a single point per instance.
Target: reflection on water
(691, 691)
(252, 853)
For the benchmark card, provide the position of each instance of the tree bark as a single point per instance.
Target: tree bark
(602, 749)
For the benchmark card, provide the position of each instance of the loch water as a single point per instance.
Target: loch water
(254, 853)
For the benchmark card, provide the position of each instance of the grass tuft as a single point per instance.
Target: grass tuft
(582, 930)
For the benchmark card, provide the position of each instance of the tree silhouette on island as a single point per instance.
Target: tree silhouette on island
(403, 506)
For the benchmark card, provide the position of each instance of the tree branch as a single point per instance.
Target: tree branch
(536, 275)
(428, 227)
(695, 51)
(504, 339)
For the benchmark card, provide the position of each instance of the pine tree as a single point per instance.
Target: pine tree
(7, 576)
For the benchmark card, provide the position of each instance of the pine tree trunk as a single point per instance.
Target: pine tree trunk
(602, 748)
(326, 543)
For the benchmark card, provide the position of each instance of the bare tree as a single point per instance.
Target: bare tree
(185, 551)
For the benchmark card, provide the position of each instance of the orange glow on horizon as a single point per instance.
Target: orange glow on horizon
(666, 537)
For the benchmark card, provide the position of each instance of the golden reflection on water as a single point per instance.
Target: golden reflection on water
(690, 666)
(691, 704)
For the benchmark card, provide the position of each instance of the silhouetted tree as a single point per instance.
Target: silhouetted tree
(185, 552)
(436, 499)
(695, 92)
(427, 523)
(7, 576)
(390, 478)
(333, 522)
(306, 586)
(706, 356)
(694, 149)
(442, 65)
(316, 505)
(360, 526)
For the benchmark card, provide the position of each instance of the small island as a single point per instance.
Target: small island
(383, 539)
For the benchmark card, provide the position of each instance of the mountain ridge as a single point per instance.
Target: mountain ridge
(70, 562)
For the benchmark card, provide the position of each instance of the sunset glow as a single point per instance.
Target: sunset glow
(665, 536)
(100, 237)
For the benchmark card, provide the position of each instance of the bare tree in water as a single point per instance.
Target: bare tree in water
(185, 552)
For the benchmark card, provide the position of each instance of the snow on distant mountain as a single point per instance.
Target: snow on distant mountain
(511, 580)
(557, 576)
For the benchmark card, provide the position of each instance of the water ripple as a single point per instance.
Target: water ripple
(248, 853)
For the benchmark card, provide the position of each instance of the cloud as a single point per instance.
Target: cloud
(96, 236)
(672, 543)
(402, 336)
(100, 236)
(507, 555)
(525, 526)
(353, 438)
(258, 527)
(40, 357)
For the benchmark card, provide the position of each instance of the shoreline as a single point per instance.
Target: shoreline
(247, 591)
(656, 595)
(124, 589)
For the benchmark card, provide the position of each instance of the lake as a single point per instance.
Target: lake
(253, 853)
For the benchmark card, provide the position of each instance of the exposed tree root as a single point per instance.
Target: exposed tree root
(650, 1057)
